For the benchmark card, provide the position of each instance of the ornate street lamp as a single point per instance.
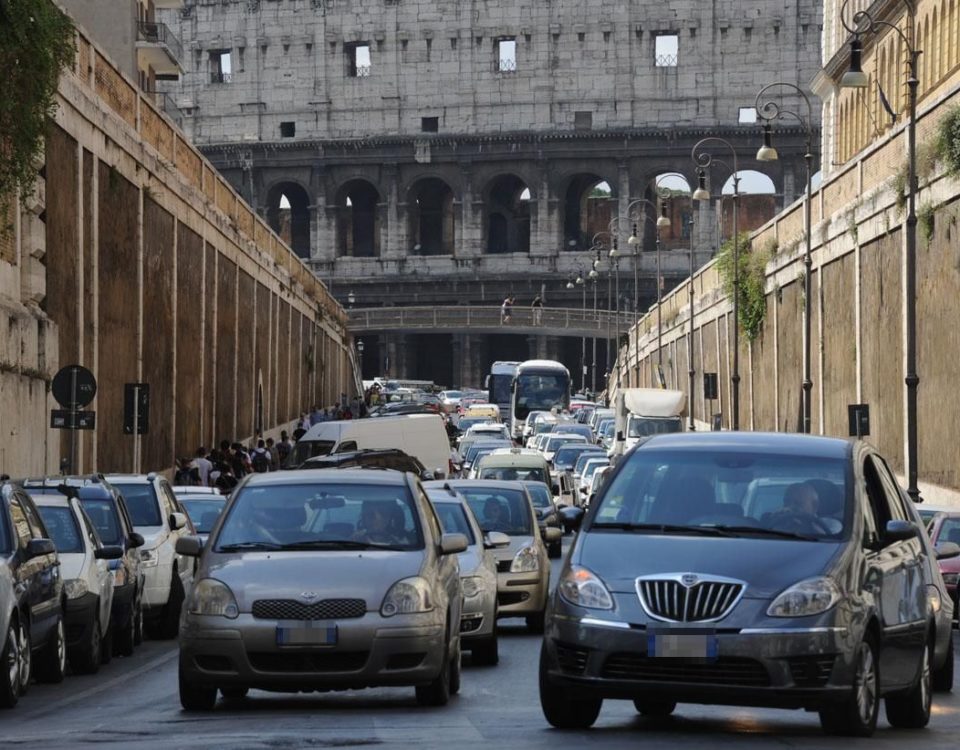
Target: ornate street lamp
(768, 110)
(864, 23)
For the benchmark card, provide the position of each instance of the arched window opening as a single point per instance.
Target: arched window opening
(508, 216)
(588, 208)
(358, 221)
(288, 214)
(431, 218)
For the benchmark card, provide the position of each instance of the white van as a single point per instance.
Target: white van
(420, 435)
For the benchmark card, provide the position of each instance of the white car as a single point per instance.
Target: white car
(158, 516)
(555, 440)
(87, 580)
(488, 430)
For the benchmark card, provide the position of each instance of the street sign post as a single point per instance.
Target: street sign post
(68, 419)
(74, 387)
(136, 408)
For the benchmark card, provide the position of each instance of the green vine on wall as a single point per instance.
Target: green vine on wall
(926, 221)
(751, 280)
(947, 143)
(36, 44)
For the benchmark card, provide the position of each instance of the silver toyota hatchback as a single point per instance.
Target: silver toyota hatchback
(323, 580)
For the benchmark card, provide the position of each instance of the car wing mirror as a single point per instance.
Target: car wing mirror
(452, 544)
(898, 531)
(495, 540)
(177, 521)
(552, 535)
(113, 552)
(947, 550)
(40, 547)
(135, 539)
(189, 546)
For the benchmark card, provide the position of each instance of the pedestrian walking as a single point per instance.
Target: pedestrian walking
(203, 466)
(260, 458)
(537, 307)
(505, 310)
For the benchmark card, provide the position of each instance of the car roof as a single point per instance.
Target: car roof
(385, 477)
(481, 484)
(186, 489)
(810, 446)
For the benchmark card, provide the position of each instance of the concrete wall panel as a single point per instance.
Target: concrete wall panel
(246, 364)
(764, 372)
(790, 356)
(226, 362)
(191, 347)
(839, 339)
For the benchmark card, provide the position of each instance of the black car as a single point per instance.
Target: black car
(387, 458)
(31, 599)
(107, 511)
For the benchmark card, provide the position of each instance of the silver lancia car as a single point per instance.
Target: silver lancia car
(323, 580)
(750, 569)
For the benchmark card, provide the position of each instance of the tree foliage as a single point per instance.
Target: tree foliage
(751, 282)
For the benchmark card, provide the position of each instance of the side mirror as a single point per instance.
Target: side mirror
(572, 517)
(552, 535)
(947, 550)
(426, 475)
(40, 547)
(620, 437)
(898, 531)
(452, 544)
(495, 540)
(115, 552)
(189, 546)
(136, 540)
(177, 521)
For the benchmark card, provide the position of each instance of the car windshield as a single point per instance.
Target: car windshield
(591, 468)
(453, 520)
(638, 427)
(466, 423)
(949, 531)
(748, 494)
(141, 503)
(62, 527)
(567, 456)
(514, 473)
(475, 448)
(327, 515)
(608, 430)
(203, 511)
(504, 510)
(540, 495)
(555, 442)
(452, 394)
(104, 518)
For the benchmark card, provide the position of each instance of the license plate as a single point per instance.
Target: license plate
(308, 634)
(666, 644)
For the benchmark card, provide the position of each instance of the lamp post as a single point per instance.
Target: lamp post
(579, 281)
(864, 23)
(703, 159)
(360, 355)
(594, 275)
(351, 299)
(769, 110)
(692, 371)
(614, 256)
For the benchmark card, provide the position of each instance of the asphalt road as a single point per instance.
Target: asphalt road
(133, 703)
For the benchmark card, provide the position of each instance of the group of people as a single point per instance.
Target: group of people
(506, 309)
(225, 466)
(347, 409)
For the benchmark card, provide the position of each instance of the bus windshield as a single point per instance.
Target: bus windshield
(541, 391)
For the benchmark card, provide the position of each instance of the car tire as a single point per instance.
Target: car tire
(565, 708)
(52, 660)
(14, 663)
(910, 709)
(234, 693)
(857, 715)
(138, 626)
(437, 693)
(486, 653)
(943, 677)
(168, 626)
(86, 659)
(455, 667)
(555, 550)
(125, 639)
(195, 697)
(536, 621)
(106, 646)
(654, 707)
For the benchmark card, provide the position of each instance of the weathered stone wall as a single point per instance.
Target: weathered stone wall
(156, 272)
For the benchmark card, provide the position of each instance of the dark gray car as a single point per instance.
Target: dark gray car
(323, 580)
(750, 569)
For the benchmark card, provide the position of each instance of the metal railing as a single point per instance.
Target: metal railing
(551, 321)
(159, 33)
(218, 77)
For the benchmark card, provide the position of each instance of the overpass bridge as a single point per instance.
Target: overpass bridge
(565, 322)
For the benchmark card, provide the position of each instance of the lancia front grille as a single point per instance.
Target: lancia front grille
(687, 597)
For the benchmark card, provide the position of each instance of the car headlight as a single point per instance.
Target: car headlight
(811, 597)
(149, 558)
(525, 561)
(472, 586)
(75, 588)
(935, 601)
(951, 578)
(582, 588)
(406, 597)
(213, 597)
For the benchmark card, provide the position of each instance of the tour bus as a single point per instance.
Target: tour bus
(498, 385)
(540, 384)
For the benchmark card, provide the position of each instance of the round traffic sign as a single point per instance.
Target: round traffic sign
(74, 386)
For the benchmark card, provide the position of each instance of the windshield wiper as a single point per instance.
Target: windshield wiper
(766, 532)
(308, 544)
(666, 528)
(246, 546)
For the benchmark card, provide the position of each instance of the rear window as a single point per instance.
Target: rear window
(767, 492)
(305, 449)
(104, 518)
(62, 527)
(503, 510)
(565, 457)
(514, 473)
(141, 503)
(540, 495)
(949, 531)
(203, 511)
(453, 520)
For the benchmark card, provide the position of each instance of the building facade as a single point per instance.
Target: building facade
(447, 152)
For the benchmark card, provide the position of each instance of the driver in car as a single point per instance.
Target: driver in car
(494, 519)
(799, 512)
(378, 524)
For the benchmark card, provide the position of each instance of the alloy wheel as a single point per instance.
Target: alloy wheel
(866, 684)
(13, 658)
(926, 678)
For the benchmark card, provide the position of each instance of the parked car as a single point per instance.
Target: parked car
(478, 574)
(158, 516)
(386, 611)
(548, 517)
(203, 507)
(523, 569)
(87, 580)
(31, 599)
(107, 510)
(829, 603)
(945, 527)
